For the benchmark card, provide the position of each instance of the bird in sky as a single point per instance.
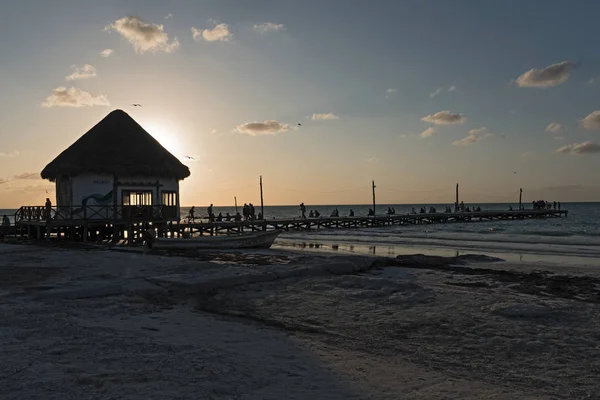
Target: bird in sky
(136, 105)
(189, 158)
(299, 124)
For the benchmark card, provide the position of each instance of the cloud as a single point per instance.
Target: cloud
(107, 53)
(268, 27)
(322, 117)
(437, 91)
(444, 118)
(580, 148)
(552, 75)
(554, 127)
(391, 90)
(144, 36)
(473, 136)
(220, 32)
(28, 175)
(169, 16)
(527, 154)
(441, 89)
(592, 121)
(428, 132)
(373, 160)
(85, 72)
(10, 154)
(269, 127)
(593, 80)
(74, 97)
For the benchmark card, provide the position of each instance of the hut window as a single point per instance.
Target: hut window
(137, 198)
(169, 199)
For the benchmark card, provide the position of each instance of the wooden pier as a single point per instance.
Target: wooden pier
(116, 224)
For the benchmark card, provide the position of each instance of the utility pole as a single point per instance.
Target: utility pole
(373, 183)
(262, 205)
(520, 198)
(235, 200)
(456, 204)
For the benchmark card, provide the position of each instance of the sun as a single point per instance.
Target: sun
(165, 137)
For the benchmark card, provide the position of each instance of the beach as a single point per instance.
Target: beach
(88, 322)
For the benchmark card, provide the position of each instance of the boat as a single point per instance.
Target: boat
(258, 240)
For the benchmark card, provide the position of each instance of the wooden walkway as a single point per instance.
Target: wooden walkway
(108, 229)
(299, 224)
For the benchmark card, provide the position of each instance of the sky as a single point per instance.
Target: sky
(318, 97)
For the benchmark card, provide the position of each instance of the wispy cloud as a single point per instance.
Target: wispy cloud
(144, 36)
(9, 154)
(580, 148)
(28, 175)
(593, 80)
(391, 90)
(74, 97)
(85, 72)
(169, 16)
(270, 127)
(107, 53)
(473, 136)
(444, 118)
(592, 121)
(322, 117)
(552, 75)
(441, 89)
(220, 32)
(554, 127)
(269, 27)
(428, 132)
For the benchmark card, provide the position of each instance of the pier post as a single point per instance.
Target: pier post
(262, 205)
(373, 183)
(456, 203)
(520, 198)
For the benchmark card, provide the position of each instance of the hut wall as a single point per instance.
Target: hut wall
(92, 189)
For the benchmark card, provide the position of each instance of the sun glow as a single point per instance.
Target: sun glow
(166, 138)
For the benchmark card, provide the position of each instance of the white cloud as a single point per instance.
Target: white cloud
(107, 52)
(321, 117)
(554, 127)
(441, 89)
(169, 16)
(473, 136)
(552, 75)
(428, 132)
(391, 90)
(85, 72)
(220, 32)
(437, 91)
(269, 27)
(444, 118)
(10, 154)
(74, 97)
(592, 121)
(269, 127)
(580, 148)
(144, 36)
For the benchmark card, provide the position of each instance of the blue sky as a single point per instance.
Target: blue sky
(378, 68)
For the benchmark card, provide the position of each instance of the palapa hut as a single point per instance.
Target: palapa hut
(117, 163)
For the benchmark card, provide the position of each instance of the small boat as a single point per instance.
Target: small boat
(260, 240)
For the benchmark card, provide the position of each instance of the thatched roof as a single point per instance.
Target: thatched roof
(118, 145)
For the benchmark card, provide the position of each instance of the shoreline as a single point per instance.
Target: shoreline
(278, 323)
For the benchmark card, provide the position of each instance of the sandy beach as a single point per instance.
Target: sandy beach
(97, 324)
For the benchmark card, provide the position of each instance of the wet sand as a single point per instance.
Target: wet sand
(81, 324)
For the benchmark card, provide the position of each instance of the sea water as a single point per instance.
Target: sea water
(577, 235)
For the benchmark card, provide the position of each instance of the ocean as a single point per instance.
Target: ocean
(577, 235)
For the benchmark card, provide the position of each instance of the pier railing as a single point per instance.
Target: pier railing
(96, 213)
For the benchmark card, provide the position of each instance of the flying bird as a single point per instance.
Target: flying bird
(299, 124)
(136, 105)
(189, 158)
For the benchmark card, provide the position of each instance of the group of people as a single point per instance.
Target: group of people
(545, 205)
(248, 211)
